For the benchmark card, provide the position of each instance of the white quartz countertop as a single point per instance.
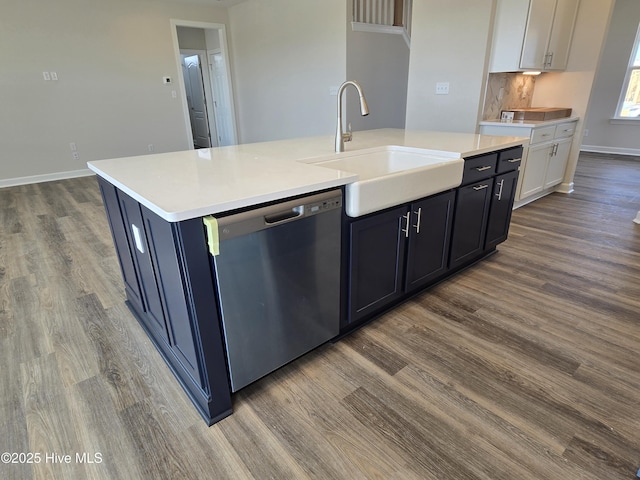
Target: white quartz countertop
(529, 123)
(194, 183)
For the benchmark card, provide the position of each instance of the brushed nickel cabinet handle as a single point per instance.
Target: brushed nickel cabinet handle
(480, 187)
(482, 169)
(406, 230)
(499, 194)
(419, 214)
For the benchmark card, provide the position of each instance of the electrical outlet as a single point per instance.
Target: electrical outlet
(75, 155)
(586, 132)
(442, 88)
(150, 147)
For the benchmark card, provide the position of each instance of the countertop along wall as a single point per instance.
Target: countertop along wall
(110, 57)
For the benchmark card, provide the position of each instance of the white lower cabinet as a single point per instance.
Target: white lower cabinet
(544, 161)
(534, 170)
(558, 159)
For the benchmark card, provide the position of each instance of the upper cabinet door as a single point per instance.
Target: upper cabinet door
(532, 34)
(561, 34)
(537, 34)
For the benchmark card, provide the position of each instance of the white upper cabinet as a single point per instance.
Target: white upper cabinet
(532, 34)
(537, 34)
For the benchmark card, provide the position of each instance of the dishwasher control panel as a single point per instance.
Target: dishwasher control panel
(323, 206)
(278, 214)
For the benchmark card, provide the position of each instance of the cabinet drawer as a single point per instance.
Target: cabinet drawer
(564, 130)
(543, 134)
(479, 167)
(509, 160)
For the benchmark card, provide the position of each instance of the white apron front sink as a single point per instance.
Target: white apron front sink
(393, 175)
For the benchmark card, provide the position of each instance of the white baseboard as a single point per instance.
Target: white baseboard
(613, 150)
(565, 187)
(562, 188)
(49, 177)
(637, 219)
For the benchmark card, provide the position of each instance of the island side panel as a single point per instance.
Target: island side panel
(203, 305)
(177, 253)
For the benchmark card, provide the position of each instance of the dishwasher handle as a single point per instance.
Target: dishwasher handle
(271, 216)
(283, 216)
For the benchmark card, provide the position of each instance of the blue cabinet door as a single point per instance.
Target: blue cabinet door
(429, 238)
(376, 265)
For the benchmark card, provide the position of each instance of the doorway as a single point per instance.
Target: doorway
(205, 83)
(198, 103)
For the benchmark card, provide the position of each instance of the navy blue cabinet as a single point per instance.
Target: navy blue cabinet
(376, 265)
(484, 203)
(170, 288)
(504, 194)
(430, 232)
(470, 223)
(395, 252)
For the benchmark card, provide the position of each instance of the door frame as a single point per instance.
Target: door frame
(222, 36)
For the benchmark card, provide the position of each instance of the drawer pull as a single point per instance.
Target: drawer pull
(482, 169)
(545, 135)
(514, 160)
(480, 187)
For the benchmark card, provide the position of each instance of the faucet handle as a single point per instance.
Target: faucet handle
(347, 136)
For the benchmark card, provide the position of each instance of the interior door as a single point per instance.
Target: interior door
(197, 104)
(222, 99)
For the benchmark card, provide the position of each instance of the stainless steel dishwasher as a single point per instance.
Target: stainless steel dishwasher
(278, 280)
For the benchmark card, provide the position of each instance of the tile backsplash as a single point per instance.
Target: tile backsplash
(517, 93)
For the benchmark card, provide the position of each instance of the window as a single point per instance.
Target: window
(629, 103)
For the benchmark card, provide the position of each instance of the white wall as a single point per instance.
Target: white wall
(286, 56)
(449, 43)
(573, 87)
(380, 63)
(191, 38)
(110, 57)
(622, 136)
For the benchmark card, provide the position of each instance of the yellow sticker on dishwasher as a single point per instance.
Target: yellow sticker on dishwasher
(211, 224)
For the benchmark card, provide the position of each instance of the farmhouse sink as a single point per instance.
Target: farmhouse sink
(393, 175)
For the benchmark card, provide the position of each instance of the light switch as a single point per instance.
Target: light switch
(46, 76)
(54, 75)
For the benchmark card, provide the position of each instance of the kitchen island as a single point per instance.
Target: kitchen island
(156, 205)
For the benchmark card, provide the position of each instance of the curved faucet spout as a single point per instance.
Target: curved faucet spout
(341, 136)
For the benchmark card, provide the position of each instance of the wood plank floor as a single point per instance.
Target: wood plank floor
(526, 366)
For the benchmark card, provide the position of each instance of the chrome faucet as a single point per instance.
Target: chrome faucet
(341, 136)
